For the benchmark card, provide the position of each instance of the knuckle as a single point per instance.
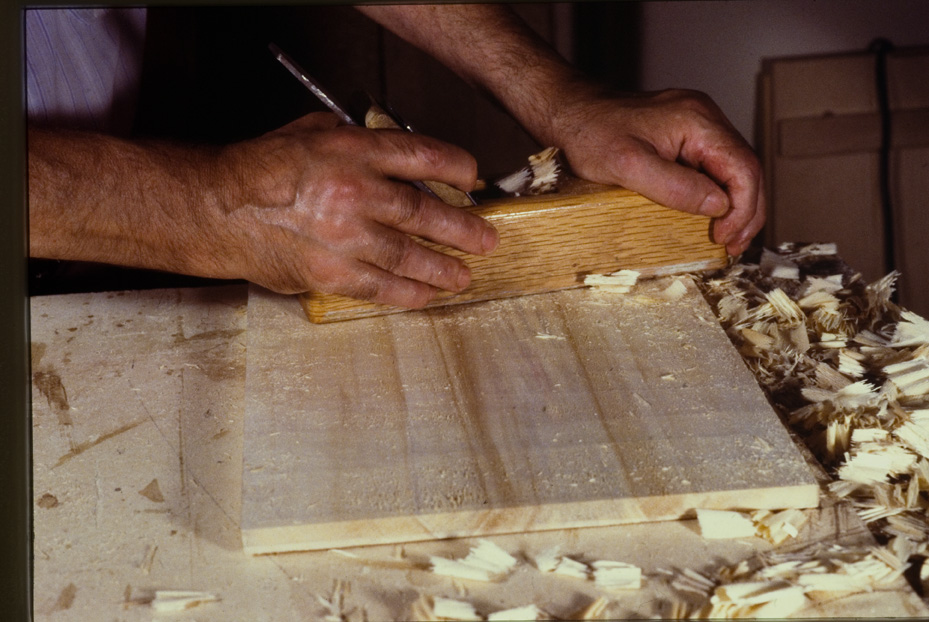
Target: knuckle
(431, 154)
(420, 297)
(624, 159)
(321, 275)
(344, 281)
(335, 209)
(394, 252)
(417, 147)
(410, 210)
(364, 289)
(690, 103)
(753, 166)
(341, 191)
(324, 282)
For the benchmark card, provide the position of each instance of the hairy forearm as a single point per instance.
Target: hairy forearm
(675, 147)
(309, 206)
(491, 48)
(99, 198)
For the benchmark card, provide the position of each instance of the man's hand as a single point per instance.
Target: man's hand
(675, 147)
(323, 208)
(310, 206)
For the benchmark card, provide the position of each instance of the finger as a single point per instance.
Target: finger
(337, 274)
(380, 286)
(415, 157)
(672, 184)
(416, 213)
(738, 171)
(740, 241)
(399, 254)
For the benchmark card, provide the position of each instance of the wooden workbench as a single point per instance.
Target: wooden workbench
(137, 439)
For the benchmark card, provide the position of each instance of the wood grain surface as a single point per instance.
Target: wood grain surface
(566, 409)
(550, 242)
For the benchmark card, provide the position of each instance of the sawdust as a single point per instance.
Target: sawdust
(47, 501)
(152, 492)
(49, 384)
(65, 598)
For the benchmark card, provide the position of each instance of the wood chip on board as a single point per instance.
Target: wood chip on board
(724, 524)
(484, 562)
(621, 281)
(180, 600)
(517, 614)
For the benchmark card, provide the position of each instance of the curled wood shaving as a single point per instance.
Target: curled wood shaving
(180, 600)
(485, 562)
(450, 609)
(516, 614)
(777, 585)
(691, 581)
(675, 291)
(621, 281)
(613, 575)
(911, 330)
(437, 609)
(775, 527)
(334, 608)
(542, 175)
(596, 610)
(421, 610)
(568, 567)
(547, 560)
(605, 574)
(778, 266)
(724, 524)
(608, 574)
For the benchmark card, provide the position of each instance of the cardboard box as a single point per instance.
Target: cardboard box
(821, 143)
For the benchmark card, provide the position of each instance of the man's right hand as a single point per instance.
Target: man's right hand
(310, 206)
(318, 206)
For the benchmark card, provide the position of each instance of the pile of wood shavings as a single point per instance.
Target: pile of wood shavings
(438, 609)
(776, 585)
(849, 371)
(488, 562)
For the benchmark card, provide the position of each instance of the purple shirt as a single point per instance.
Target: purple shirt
(83, 67)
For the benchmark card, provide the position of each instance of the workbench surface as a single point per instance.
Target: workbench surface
(138, 402)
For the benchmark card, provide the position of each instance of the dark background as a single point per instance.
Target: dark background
(209, 77)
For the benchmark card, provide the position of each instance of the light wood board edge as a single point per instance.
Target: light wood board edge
(497, 521)
(550, 242)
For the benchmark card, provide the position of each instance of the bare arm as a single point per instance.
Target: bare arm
(312, 205)
(676, 147)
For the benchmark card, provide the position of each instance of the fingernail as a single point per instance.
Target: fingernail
(464, 278)
(490, 240)
(713, 205)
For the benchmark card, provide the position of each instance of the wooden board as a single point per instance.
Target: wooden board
(566, 409)
(551, 242)
(135, 387)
